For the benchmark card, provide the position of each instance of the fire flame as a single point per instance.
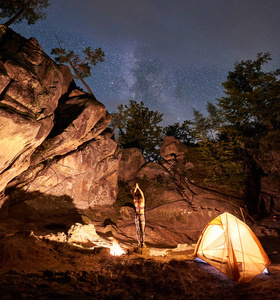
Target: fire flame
(115, 249)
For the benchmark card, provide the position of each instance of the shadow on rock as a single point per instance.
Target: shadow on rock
(46, 212)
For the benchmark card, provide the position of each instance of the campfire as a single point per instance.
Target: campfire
(115, 249)
(80, 235)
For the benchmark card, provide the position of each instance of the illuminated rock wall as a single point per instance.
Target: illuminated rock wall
(55, 151)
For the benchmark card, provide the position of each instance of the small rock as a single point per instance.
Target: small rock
(109, 228)
(120, 294)
(143, 251)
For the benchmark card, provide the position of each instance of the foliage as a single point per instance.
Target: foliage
(235, 135)
(138, 127)
(223, 166)
(81, 67)
(251, 107)
(206, 128)
(251, 110)
(183, 133)
(18, 10)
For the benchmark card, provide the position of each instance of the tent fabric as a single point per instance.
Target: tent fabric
(230, 245)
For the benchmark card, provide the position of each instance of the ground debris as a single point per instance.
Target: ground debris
(32, 268)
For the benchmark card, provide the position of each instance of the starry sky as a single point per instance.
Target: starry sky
(171, 54)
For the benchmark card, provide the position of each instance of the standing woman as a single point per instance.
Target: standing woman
(139, 204)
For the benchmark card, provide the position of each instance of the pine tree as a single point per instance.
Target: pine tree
(240, 129)
(18, 10)
(138, 127)
(183, 133)
(81, 67)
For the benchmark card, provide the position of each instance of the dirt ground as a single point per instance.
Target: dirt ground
(35, 267)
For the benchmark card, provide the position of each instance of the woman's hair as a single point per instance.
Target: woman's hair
(137, 195)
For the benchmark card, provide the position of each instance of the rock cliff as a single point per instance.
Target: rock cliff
(55, 152)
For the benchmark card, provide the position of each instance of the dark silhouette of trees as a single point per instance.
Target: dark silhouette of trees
(241, 128)
(251, 118)
(251, 107)
(18, 10)
(183, 133)
(139, 127)
(80, 66)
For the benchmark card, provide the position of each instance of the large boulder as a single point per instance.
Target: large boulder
(131, 162)
(56, 152)
(19, 137)
(30, 87)
(32, 83)
(77, 120)
(172, 148)
(80, 180)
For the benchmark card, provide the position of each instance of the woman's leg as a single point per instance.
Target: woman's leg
(142, 230)
(138, 229)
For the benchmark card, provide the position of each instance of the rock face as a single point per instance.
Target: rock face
(172, 148)
(55, 155)
(82, 179)
(171, 200)
(19, 137)
(174, 201)
(131, 162)
(77, 120)
(31, 85)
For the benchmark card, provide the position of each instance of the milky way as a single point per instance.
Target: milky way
(172, 55)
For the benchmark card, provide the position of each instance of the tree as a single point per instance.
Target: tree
(251, 107)
(244, 125)
(81, 67)
(206, 129)
(18, 10)
(251, 114)
(219, 155)
(138, 127)
(183, 133)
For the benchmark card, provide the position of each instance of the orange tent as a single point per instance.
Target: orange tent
(230, 245)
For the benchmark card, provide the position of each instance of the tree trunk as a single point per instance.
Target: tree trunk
(82, 80)
(14, 18)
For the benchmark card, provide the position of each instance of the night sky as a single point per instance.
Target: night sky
(171, 54)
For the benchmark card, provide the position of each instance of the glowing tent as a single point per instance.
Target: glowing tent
(230, 245)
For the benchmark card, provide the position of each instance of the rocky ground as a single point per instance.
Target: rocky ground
(47, 265)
